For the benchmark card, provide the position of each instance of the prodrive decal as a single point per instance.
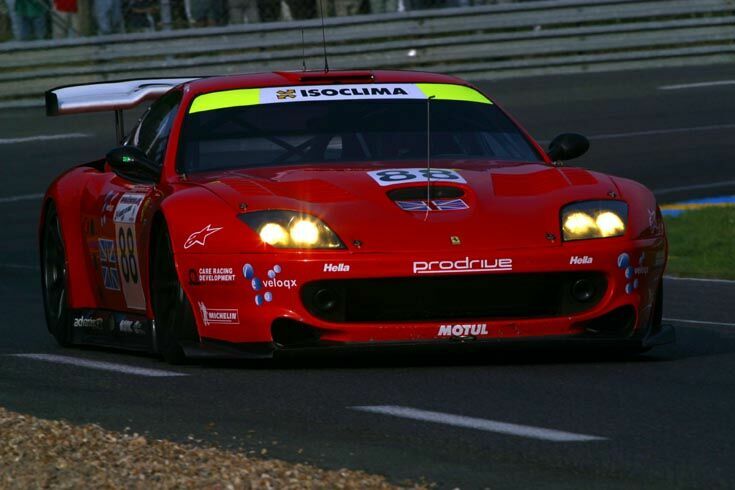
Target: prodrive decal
(462, 265)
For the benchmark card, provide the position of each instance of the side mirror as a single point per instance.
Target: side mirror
(567, 146)
(133, 164)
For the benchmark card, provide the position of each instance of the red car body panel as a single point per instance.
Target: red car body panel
(511, 227)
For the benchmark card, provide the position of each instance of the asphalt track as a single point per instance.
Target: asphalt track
(664, 420)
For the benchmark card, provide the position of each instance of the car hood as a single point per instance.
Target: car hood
(509, 205)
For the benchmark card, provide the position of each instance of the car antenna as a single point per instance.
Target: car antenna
(428, 156)
(324, 37)
(303, 51)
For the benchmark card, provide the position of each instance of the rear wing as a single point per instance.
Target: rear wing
(108, 96)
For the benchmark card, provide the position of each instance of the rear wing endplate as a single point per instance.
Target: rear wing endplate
(108, 96)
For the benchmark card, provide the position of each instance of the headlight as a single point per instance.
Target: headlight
(289, 229)
(594, 219)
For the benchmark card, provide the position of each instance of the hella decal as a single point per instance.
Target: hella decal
(462, 265)
(576, 260)
(336, 267)
(463, 330)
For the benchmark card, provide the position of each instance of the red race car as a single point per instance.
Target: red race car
(249, 214)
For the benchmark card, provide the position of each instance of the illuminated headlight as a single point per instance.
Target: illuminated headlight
(289, 229)
(594, 219)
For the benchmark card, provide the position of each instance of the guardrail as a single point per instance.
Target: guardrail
(490, 42)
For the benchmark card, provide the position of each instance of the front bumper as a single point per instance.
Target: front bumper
(262, 290)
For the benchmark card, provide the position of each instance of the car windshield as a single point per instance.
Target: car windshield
(332, 132)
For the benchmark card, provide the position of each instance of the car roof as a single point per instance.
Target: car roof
(304, 78)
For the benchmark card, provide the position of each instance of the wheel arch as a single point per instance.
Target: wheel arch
(81, 293)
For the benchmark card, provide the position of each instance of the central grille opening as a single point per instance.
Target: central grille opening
(451, 297)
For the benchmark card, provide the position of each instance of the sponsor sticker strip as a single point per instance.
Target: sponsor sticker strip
(385, 91)
(462, 266)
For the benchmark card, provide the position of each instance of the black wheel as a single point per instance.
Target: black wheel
(54, 278)
(171, 308)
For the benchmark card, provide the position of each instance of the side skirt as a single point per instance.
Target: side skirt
(113, 329)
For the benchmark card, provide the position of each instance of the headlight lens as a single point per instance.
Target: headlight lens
(594, 219)
(290, 229)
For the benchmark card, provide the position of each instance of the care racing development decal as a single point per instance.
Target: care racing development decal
(125, 218)
(272, 95)
(211, 275)
(219, 316)
(263, 287)
(200, 237)
(462, 266)
(394, 176)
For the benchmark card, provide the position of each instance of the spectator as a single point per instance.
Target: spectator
(304, 9)
(108, 15)
(140, 15)
(64, 19)
(243, 11)
(32, 17)
(14, 20)
(205, 13)
(344, 8)
(383, 6)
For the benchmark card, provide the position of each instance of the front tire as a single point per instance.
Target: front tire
(171, 308)
(54, 279)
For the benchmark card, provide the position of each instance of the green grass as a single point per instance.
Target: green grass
(702, 243)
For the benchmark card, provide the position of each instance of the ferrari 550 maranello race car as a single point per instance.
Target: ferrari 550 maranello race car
(249, 214)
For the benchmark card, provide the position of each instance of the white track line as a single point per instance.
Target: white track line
(712, 185)
(478, 424)
(700, 279)
(697, 85)
(43, 137)
(654, 132)
(103, 366)
(24, 197)
(19, 266)
(697, 322)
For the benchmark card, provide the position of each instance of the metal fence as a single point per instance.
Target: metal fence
(482, 42)
(58, 19)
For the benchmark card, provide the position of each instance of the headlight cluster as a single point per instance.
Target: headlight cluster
(289, 229)
(594, 219)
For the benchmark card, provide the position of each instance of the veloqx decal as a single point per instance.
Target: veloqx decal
(462, 265)
(200, 237)
(262, 286)
(630, 272)
(219, 316)
(394, 176)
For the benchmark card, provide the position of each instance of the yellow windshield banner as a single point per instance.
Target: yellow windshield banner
(446, 91)
(225, 100)
(307, 93)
